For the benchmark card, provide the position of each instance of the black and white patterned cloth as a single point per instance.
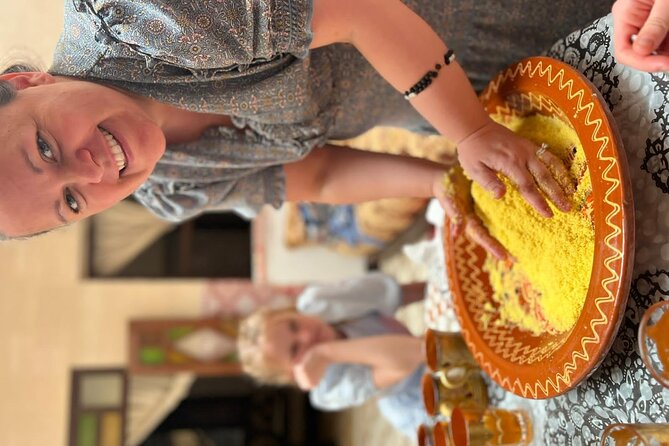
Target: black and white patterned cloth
(621, 389)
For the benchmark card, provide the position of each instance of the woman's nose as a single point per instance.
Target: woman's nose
(83, 168)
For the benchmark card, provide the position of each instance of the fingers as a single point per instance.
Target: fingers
(545, 172)
(449, 202)
(478, 233)
(455, 215)
(524, 180)
(648, 21)
(654, 30)
(622, 38)
(559, 172)
(651, 64)
(489, 180)
(453, 189)
(302, 378)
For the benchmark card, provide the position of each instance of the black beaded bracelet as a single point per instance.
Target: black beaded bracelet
(426, 80)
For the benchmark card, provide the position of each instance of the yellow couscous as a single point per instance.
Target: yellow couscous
(544, 290)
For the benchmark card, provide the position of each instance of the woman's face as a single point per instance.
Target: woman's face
(70, 149)
(289, 336)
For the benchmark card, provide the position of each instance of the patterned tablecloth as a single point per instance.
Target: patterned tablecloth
(620, 390)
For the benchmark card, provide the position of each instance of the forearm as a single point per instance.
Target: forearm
(402, 48)
(335, 174)
(391, 357)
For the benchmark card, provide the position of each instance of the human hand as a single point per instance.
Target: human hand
(310, 369)
(453, 192)
(494, 149)
(648, 20)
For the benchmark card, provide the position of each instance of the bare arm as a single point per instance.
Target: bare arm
(391, 358)
(334, 174)
(402, 47)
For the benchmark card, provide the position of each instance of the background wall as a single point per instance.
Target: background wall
(52, 320)
(30, 28)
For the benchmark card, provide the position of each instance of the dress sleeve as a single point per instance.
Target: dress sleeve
(352, 298)
(178, 200)
(343, 386)
(198, 34)
(226, 169)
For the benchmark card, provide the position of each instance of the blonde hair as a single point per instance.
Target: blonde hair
(250, 339)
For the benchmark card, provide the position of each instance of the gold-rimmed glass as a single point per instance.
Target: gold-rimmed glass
(654, 341)
(650, 434)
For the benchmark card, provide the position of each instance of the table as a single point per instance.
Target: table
(621, 389)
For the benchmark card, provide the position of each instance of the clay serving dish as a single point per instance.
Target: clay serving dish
(548, 365)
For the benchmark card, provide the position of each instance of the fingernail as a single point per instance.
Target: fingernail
(497, 192)
(644, 41)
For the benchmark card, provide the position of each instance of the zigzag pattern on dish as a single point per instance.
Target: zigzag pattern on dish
(473, 288)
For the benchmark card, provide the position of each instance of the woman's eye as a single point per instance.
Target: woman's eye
(292, 326)
(72, 202)
(45, 149)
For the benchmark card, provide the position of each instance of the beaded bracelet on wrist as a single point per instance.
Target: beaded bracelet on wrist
(426, 80)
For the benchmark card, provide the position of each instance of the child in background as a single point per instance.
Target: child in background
(344, 346)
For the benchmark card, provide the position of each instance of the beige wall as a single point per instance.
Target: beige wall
(52, 320)
(30, 27)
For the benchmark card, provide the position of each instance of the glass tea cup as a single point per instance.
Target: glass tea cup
(425, 436)
(440, 399)
(490, 427)
(654, 341)
(621, 434)
(447, 354)
(437, 435)
(442, 434)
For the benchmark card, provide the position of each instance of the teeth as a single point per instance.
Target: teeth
(116, 150)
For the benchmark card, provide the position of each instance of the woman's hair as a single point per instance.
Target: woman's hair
(7, 90)
(250, 339)
(7, 93)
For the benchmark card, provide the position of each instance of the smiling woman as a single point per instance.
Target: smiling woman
(58, 164)
(208, 106)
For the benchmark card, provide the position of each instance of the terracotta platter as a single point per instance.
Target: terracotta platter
(548, 365)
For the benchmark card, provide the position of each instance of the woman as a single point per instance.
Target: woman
(246, 98)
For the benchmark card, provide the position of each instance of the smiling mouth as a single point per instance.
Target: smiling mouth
(116, 150)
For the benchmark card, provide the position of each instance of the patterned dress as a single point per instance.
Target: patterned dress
(250, 60)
